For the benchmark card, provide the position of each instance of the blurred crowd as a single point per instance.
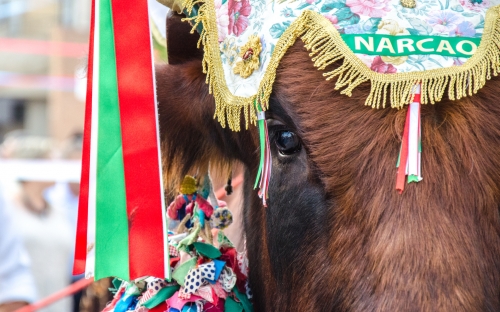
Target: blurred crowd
(38, 214)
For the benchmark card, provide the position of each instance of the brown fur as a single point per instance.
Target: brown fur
(436, 247)
(176, 32)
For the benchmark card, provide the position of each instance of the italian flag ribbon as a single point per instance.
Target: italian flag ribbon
(264, 172)
(411, 146)
(121, 215)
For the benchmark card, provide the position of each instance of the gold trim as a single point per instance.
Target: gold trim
(326, 47)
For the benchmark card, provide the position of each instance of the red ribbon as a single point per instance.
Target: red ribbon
(83, 201)
(403, 157)
(416, 98)
(136, 92)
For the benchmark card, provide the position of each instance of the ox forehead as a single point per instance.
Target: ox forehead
(335, 236)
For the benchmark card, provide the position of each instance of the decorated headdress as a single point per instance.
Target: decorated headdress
(386, 42)
(410, 51)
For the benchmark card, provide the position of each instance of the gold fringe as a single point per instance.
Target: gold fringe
(326, 47)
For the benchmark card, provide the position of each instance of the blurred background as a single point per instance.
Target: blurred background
(43, 55)
(43, 48)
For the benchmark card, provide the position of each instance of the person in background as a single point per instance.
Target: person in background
(65, 196)
(65, 193)
(45, 229)
(17, 287)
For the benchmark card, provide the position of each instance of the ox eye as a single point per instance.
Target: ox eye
(287, 142)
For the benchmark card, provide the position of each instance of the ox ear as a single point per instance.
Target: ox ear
(191, 138)
(181, 44)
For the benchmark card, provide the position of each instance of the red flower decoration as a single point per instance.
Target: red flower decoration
(380, 67)
(238, 16)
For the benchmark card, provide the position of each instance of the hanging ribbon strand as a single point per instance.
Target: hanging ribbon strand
(81, 230)
(264, 173)
(140, 138)
(121, 151)
(411, 146)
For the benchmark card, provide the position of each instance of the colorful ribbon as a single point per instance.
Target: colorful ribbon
(81, 229)
(140, 138)
(264, 172)
(121, 210)
(409, 161)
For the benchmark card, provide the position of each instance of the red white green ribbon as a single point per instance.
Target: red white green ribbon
(409, 161)
(122, 213)
(264, 172)
(81, 232)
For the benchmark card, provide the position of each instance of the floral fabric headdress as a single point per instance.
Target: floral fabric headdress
(410, 51)
(437, 44)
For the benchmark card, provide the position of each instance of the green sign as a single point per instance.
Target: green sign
(387, 45)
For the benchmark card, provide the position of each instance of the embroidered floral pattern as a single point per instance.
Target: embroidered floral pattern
(238, 16)
(372, 8)
(333, 19)
(392, 27)
(464, 29)
(222, 19)
(475, 6)
(238, 20)
(249, 55)
(394, 60)
(379, 66)
(229, 51)
(444, 21)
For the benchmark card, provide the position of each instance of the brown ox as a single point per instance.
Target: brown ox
(336, 235)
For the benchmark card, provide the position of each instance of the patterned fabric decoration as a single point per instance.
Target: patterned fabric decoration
(243, 262)
(221, 218)
(205, 286)
(248, 290)
(206, 293)
(436, 43)
(148, 294)
(197, 276)
(227, 279)
(219, 290)
(173, 251)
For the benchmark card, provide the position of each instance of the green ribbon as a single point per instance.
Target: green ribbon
(190, 239)
(111, 248)
(232, 306)
(262, 139)
(207, 250)
(247, 305)
(162, 295)
(182, 270)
